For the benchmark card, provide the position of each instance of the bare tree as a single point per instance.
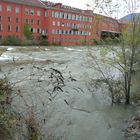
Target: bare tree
(125, 57)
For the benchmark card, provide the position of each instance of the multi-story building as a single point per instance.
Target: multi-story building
(105, 27)
(68, 26)
(14, 14)
(57, 23)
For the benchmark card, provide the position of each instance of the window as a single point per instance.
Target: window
(90, 19)
(38, 30)
(39, 13)
(62, 24)
(9, 19)
(32, 21)
(59, 31)
(65, 15)
(53, 14)
(26, 11)
(17, 10)
(8, 8)
(32, 30)
(32, 12)
(60, 14)
(64, 31)
(53, 23)
(38, 22)
(26, 21)
(58, 23)
(46, 13)
(53, 31)
(0, 8)
(69, 16)
(56, 14)
(17, 28)
(77, 17)
(17, 20)
(73, 17)
(9, 28)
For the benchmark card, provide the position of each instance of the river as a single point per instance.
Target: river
(74, 114)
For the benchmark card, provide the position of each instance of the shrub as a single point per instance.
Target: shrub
(5, 110)
(43, 42)
(136, 98)
(11, 41)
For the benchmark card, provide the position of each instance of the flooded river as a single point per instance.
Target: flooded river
(75, 113)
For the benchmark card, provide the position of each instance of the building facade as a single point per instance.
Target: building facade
(14, 15)
(57, 23)
(105, 27)
(68, 26)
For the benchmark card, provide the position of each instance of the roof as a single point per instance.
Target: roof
(36, 3)
(60, 6)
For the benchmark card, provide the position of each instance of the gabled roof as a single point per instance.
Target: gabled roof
(36, 3)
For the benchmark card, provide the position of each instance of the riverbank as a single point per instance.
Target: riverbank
(132, 132)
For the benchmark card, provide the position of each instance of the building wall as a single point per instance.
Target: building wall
(103, 23)
(16, 18)
(36, 21)
(8, 18)
(66, 31)
(54, 23)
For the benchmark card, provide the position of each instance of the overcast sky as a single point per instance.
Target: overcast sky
(74, 3)
(82, 5)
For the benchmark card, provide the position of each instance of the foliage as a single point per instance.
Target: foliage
(136, 98)
(124, 58)
(12, 40)
(6, 117)
(27, 32)
(107, 41)
(43, 42)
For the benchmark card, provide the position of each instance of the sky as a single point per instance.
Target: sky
(81, 4)
(74, 3)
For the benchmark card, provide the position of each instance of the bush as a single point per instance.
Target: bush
(27, 31)
(136, 98)
(43, 42)
(5, 110)
(4, 87)
(11, 41)
(14, 41)
(107, 41)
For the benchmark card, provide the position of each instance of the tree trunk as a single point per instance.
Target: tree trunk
(127, 98)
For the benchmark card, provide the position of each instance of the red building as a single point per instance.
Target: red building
(14, 14)
(105, 27)
(68, 26)
(59, 24)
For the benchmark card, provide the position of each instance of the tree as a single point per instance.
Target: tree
(125, 58)
(27, 31)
